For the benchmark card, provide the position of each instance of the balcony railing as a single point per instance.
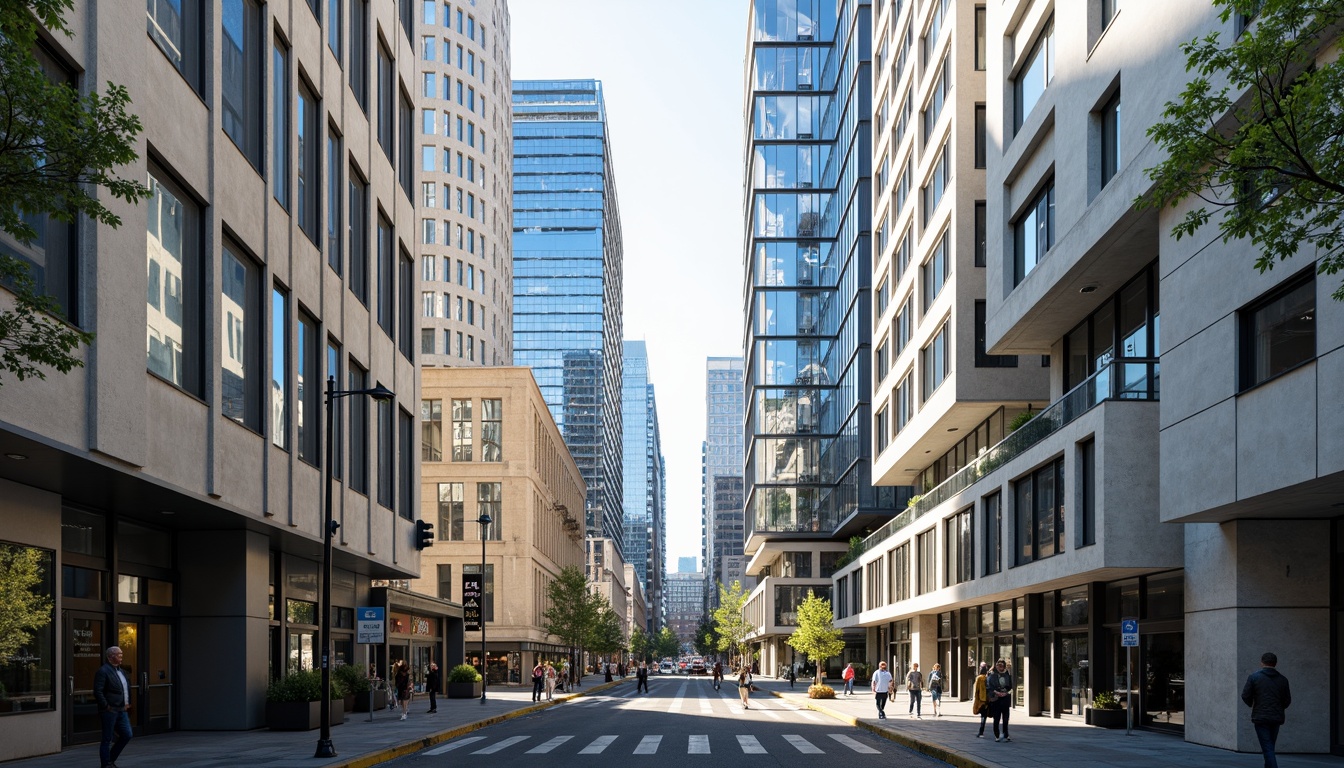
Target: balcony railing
(1121, 379)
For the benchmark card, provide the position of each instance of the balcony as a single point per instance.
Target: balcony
(1120, 379)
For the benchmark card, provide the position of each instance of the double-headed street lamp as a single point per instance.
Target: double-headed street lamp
(379, 393)
(485, 521)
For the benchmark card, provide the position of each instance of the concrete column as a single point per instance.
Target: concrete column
(1254, 586)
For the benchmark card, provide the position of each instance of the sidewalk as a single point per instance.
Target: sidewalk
(1040, 742)
(359, 743)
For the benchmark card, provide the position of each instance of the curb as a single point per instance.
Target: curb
(415, 745)
(932, 749)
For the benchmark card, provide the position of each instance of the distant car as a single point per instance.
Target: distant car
(681, 666)
(666, 668)
(697, 665)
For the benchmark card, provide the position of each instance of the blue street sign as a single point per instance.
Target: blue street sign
(370, 626)
(1129, 633)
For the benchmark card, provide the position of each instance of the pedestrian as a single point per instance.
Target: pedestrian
(401, 677)
(999, 684)
(914, 685)
(980, 704)
(744, 686)
(433, 681)
(936, 681)
(718, 675)
(642, 678)
(1266, 693)
(848, 677)
(548, 680)
(606, 671)
(112, 692)
(538, 681)
(791, 675)
(562, 682)
(881, 684)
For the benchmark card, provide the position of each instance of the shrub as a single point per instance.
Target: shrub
(464, 673)
(1105, 700)
(1022, 418)
(353, 678)
(820, 691)
(304, 685)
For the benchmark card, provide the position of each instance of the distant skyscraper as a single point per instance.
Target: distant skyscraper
(567, 278)
(721, 519)
(686, 565)
(645, 545)
(685, 602)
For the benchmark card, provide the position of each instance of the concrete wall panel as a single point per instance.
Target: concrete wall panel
(1200, 372)
(1194, 480)
(1276, 433)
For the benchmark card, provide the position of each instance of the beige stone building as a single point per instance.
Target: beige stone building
(489, 445)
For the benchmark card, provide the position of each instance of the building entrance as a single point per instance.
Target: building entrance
(85, 641)
(147, 648)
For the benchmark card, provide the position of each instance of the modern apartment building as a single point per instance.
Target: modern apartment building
(685, 604)
(722, 531)
(466, 183)
(644, 485)
(175, 482)
(1210, 517)
(495, 450)
(567, 262)
(808, 321)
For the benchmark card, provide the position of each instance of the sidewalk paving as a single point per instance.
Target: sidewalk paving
(1039, 742)
(359, 743)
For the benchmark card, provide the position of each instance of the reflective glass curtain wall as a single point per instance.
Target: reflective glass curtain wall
(644, 546)
(567, 278)
(723, 533)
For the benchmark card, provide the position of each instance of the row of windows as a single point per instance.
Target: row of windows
(466, 23)
(430, 44)
(465, 348)
(466, 279)
(453, 90)
(460, 413)
(466, 204)
(432, 305)
(466, 129)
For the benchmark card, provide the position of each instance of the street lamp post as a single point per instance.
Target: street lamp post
(329, 526)
(484, 520)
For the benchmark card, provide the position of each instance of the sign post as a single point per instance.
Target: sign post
(370, 629)
(471, 602)
(1129, 640)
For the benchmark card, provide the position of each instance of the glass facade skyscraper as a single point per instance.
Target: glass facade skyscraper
(722, 531)
(645, 545)
(567, 278)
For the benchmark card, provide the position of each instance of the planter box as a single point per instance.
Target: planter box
(1106, 718)
(465, 690)
(362, 701)
(301, 715)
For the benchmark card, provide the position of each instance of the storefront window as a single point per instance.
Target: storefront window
(27, 637)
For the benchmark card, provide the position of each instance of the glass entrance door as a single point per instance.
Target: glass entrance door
(147, 648)
(84, 645)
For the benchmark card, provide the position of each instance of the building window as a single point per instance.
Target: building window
(492, 429)
(280, 113)
(176, 28)
(1278, 333)
(431, 430)
(992, 518)
(462, 428)
(1087, 513)
(240, 327)
(406, 324)
(905, 400)
(28, 668)
(981, 136)
(335, 221)
(308, 414)
(280, 404)
(444, 572)
(359, 430)
(405, 464)
(337, 410)
(935, 272)
(406, 162)
(1039, 512)
(240, 77)
(1036, 73)
(387, 316)
(386, 103)
(982, 359)
(980, 37)
(981, 233)
(487, 588)
(898, 570)
(927, 573)
(904, 324)
(882, 427)
(936, 360)
(958, 536)
(387, 493)
(334, 29)
(873, 577)
(942, 85)
(488, 497)
(881, 360)
(359, 52)
(937, 184)
(173, 258)
(310, 139)
(359, 237)
(1034, 233)
(451, 512)
(1110, 139)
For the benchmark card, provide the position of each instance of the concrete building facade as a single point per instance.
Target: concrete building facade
(685, 604)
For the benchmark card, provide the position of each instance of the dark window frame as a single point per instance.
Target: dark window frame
(1250, 373)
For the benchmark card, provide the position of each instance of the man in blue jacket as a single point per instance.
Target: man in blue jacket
(1266, 693)
(112, 691)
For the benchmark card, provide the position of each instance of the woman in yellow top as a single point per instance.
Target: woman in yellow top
(980, 705)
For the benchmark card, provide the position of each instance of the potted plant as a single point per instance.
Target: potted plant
(354, 679)
(820, 691)
(294, 702)
(464, 682)
(1106, 711)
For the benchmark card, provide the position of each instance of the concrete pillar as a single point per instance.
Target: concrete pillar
(1254, 586)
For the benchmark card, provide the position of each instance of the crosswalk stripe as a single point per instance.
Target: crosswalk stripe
(854, 745)
(770, 713)
(505, 744)
(542, 749)
(810, 715)
(751, 745)
(648, 745)
(599, 744)
(450, 746)
(803, 745)
(699, 745)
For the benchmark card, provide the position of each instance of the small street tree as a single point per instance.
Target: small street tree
(571, 613)
(607, 636)
(667, 645)
(706, 638)
(639, 644)
(816, 635)
(731, 625)
(1255, 136)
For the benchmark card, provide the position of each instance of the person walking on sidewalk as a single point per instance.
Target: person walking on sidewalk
(718, 675)
(936, 681)
(1266, 693)
(848, 677)
(433, 681)
(744, 686)
(881, 689)
(401, 678)
(550, 681)
(999, 683)
(538, 681)
(112, 692)
(980, 704)
(791, 676)
(642, 678)
(914, 685)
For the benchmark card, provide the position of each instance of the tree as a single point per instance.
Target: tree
(667, 645)
(731, 625)
(607, 637)
(57, 149)
(24, 608)
(1256, 135)
(706, 638)
(816, 635)
(571, 611)
(640, 644)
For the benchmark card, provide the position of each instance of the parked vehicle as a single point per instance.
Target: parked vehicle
(666, 668)
(697, 665)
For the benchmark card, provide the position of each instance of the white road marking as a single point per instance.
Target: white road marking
(648, 745)
(599, 744)
(699, 745)
(505, 744)
(450, 746)
(751, 745)
(854, 745)
(803, 745)
(542, 749)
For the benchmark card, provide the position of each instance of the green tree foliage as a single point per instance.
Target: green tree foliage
(1256, 134)
(58, 148)
(730, 623)
(706, 638)
(24, 609)
(666, 645)
(816, 635)
(607, 637)
(572, 613)
(640, 644)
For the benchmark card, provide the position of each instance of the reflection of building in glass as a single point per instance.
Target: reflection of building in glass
(567, 278)
(644, 489)
(723, 456)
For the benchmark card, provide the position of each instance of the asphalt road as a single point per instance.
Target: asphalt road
(679, 719)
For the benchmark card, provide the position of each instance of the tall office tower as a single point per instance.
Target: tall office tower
(685, 604)
(567, 277)
(177, 479)
(466, 179)
(645, 527)
(808, 328)
(686, 565)
(721, 520)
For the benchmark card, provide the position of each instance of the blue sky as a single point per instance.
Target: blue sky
(672, 75)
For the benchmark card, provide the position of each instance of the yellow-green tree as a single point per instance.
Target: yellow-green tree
(732, 625)
(816, 635)
(23, 608)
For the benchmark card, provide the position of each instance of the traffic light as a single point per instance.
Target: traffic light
(424, 534)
